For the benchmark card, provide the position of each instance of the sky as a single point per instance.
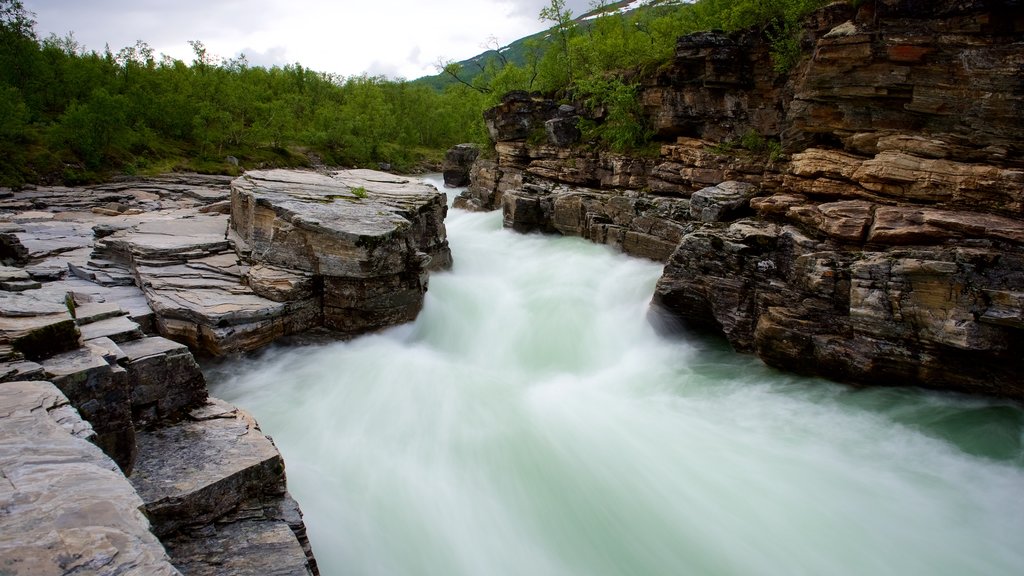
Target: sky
(395, 38)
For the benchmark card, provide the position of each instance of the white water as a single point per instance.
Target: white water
(531, 422)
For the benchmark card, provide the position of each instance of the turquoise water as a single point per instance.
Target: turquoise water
(531, 422)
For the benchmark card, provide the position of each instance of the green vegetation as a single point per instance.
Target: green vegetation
(70, 115)
(753, 143)
(598, 59)
(359, 192)
(76, 116)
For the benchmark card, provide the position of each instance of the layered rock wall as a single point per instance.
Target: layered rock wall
(187, 482)
(359, 243)
(860, 217)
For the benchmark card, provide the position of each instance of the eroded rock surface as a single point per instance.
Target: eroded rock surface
(457, 163)
(368, 239)
(859, 217)
(89, 328)
(66, 507)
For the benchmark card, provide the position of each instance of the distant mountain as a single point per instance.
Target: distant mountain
(517, 52)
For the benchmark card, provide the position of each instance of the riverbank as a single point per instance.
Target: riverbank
(104, 286)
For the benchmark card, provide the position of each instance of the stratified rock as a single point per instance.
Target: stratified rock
(369, 237)
(122, 381)
(102, 394)
(887, 230)
(726, 201)
(563, 130)
(647, 227)
(36, 328)
(118, 329)
(262, 536)
(281, 285)
(166, 380)
(519, 116)
(67, 510)
(457, 163)
(196, 471)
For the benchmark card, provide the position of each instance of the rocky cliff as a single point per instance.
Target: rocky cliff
(860, 217)
(106, 292)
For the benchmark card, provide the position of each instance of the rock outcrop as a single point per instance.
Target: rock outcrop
(458, 161)
(66, 507)
(359, 244)
(82, 341)
(859, 217)
(107, 292)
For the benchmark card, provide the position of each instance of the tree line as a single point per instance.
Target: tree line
(600, 60)
(72, 115)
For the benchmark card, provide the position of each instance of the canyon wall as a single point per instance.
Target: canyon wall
(860, 217)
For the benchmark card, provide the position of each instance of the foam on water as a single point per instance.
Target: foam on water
(531, 421)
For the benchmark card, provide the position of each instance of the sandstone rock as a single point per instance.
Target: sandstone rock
(280, 285)
(241, 549)
(563, 130)
(95, 311)
(370, 236)
(457, 163)
(136, 381)
(723, 202)
(483, 184)
(903, 176)
(518, 117)
(119, 329)
(10, 274)
(846, 221)
(196, 471)
(36, 328)
(102, 395)
(887, 249)
(640, 226)
(166, 381)
(691, 164)
(15, 370)
(261, 536)
(718, 87)
(66, 507)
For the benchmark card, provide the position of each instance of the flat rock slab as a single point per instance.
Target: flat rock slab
(166, 381)
(353, 223)
(95, 311)
(196, 471)
(12, 274)
(42, 239)
(102, 395)
(37, 328)
(14, 370)
(254, 548)
(119, 329)
(171, 239)
(66, 508)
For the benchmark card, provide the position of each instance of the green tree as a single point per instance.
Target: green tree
(564, 30)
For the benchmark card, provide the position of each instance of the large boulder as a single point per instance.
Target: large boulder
(369, 237)
(67, 509)
(458, 162)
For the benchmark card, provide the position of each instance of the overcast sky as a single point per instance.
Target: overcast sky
(397, 38)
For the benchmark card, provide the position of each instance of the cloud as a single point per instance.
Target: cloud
(274, 56)
(394, 37)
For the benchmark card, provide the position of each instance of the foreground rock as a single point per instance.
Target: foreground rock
(860, 217)
(92, 334)
(458, 162)
(66, 507)
(363, 240)
(217, 465)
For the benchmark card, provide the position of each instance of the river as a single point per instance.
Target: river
(532, 422)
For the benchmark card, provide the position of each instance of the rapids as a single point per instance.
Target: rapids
(532, 422)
